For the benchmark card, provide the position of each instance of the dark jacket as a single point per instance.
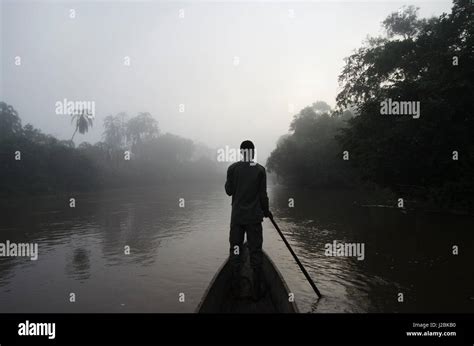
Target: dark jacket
(247, 184)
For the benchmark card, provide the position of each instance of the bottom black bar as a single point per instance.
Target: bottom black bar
(450, 329)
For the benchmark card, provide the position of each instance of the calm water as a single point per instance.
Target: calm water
(176, 250)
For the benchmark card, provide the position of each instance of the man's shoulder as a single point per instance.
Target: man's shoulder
(260, 167)
(232, 166)
(243, 163)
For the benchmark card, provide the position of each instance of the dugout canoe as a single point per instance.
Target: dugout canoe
(218, 298)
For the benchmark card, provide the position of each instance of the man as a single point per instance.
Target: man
(247, 184)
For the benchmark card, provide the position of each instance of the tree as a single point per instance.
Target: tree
(426, 61)
(310, 155)
(115, 131)
(405, 23)
(141, 127)
(10, 123)
(83, 120)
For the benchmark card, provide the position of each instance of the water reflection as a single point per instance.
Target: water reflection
(405, 252)
(78, 266)
(174, 249)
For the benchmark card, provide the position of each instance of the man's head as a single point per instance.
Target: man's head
(247, 149)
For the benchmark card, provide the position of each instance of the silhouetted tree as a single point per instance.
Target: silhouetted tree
(10, 123)
(310, 155)
(142, 127)
(429, 61)
(82, 120)
(115, 130)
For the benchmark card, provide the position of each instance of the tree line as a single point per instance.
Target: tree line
(133, 152)
(430, 158)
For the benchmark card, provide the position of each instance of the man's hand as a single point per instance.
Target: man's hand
(268, 214)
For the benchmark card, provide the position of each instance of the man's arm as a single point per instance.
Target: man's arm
(263, 195)
(229, 184)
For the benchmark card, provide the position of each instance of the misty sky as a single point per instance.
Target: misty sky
(190, 61)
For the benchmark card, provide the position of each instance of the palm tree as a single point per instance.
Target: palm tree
(83, 122)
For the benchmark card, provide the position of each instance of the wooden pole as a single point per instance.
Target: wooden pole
(311, 282)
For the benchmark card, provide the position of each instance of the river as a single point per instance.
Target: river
(176, 249)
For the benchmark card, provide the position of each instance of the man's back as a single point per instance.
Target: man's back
(247, 184)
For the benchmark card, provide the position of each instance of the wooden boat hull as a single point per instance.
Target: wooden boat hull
(218, 297)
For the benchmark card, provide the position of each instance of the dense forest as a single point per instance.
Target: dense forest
(428, 158)
(133, 152)
(310, 154)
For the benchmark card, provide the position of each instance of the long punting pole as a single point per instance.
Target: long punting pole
(311, 282)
